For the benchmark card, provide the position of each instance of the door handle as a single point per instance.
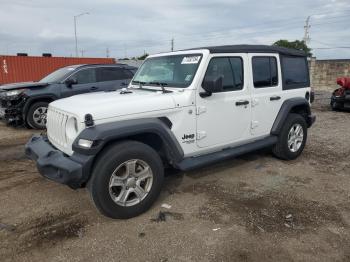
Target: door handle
(242, 103)
(93, 88)
(274, 98)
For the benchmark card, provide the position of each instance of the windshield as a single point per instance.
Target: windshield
(58, 75)
(173, 71)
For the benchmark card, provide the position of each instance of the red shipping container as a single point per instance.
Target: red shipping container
(33, 68)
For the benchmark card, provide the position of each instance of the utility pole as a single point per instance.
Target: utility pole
(107, 52)
(82, 52)
(125, 51)
(75, 32)
(307, 26)
(172, 44)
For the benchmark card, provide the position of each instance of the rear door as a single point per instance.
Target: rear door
(266, 92)
(86, 82)
(223, 119)
(112, 78)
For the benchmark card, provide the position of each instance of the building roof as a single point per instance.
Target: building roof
(252, 49)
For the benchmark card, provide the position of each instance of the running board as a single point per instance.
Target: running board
(199, 161)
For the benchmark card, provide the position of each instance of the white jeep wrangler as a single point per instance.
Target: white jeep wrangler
(183, 109)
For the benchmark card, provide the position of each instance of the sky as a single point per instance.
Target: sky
(129, 28)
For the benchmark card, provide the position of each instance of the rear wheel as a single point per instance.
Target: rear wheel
(126, 179)
(292, 138)
(36, 116)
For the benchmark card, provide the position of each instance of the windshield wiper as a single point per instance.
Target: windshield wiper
(139, 82)
(161, 84)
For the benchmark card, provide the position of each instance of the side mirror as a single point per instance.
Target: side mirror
(70, 81)
(212, 85)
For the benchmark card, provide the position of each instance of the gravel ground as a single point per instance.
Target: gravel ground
(253, 208)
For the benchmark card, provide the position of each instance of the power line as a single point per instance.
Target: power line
(335, 47)
(281, 25)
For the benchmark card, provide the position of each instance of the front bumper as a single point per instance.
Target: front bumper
(11, 110)
(53, 164)
(340, 102)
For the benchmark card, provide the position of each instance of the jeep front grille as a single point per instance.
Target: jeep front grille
(56, 129)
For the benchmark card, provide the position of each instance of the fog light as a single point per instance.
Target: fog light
(85, 143)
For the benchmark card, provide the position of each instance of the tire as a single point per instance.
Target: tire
(335, 106)
(36, 115)
(116, 158)
(282, 149)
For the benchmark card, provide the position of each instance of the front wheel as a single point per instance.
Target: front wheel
(36, 116)
(292, 138)
(126, 180)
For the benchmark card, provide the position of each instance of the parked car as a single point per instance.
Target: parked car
(340, 99)
(183, 109)
(26, 103)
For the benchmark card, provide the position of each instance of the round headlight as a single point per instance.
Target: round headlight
(72, 128)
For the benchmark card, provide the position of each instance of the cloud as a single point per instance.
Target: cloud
(132, 27)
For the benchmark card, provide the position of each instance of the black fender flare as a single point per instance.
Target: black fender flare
(104, 133)
(31, 99)
(286, 108)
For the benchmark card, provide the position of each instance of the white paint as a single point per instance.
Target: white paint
(200, 125)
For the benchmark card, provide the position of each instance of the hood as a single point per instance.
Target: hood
(14, 86)
(102, 105)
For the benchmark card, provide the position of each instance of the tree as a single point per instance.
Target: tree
(143, 57)
(297, 44)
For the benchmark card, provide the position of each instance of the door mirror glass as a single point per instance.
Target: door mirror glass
(212, 84)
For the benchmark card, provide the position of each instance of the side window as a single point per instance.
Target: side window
(85, 76)
(264, 71)
(110, 74)
(295, 72)
(128, 73)
(231, 69)
(237, 68)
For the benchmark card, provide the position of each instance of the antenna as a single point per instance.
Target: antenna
(307, 26)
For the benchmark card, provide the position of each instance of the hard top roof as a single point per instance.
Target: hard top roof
(252, 49)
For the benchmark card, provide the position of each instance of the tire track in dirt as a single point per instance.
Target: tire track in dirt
(42, 232)
(263, 212)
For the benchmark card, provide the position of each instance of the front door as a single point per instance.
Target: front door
(224, 117)
(85, 82)
(266, 92)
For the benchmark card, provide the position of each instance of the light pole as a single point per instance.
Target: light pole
(75, 31)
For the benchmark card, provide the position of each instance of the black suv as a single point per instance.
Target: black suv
(26, 103)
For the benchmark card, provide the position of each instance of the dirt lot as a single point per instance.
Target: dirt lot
(254, 208)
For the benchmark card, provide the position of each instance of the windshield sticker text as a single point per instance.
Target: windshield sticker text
(190, 60)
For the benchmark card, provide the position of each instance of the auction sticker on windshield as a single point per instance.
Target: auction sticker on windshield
(190, 60)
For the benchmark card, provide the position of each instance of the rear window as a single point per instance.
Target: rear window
(111, 74)
(264, 71)
(295, 72)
